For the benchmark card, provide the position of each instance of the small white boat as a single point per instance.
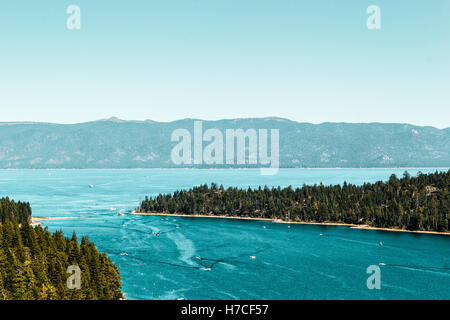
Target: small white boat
(382, 264)
(198, 258)
(381, 243)
(252, 257)
(124, 254)
(206, 269)
(91, 186)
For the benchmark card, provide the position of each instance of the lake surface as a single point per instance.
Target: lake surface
(239, 259)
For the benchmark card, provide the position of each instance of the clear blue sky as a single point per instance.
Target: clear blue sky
(311, 61)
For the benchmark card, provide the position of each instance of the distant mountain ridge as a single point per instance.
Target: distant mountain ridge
(115, 143)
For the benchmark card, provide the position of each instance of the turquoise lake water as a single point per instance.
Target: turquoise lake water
(290, 262)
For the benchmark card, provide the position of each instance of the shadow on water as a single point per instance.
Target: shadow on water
(236, 259)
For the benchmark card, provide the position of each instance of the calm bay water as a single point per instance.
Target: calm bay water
(290, 262)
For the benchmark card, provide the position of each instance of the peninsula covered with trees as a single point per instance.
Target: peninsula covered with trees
(420, 203)
(34, 263)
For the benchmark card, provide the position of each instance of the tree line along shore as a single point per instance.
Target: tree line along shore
(34, 263)
(420, 203)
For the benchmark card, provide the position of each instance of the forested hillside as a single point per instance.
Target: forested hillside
(414, 203)
(115, 143)
(10, 210)
(34, 263)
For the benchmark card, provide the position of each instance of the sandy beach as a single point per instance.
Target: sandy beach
(35, 220)
(352, 226)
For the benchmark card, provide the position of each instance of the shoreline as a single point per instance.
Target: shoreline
(349, 225)
(35, 220)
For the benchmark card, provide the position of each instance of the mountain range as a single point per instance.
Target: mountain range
(115, 143)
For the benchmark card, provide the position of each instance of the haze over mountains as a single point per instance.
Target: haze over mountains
(114, 143)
